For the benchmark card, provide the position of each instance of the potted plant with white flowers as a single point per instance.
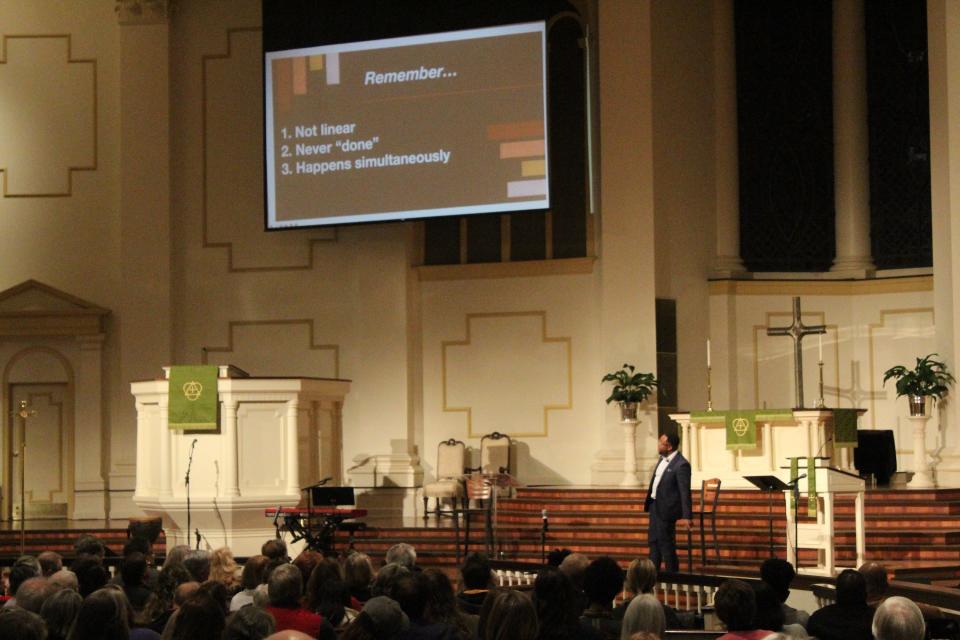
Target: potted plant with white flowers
(630, 388)
(929, 378)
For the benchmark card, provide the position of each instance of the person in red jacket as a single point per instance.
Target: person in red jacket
(285, 588)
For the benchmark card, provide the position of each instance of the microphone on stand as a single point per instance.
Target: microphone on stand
(186, 482)
(543, 517)
(544, 525)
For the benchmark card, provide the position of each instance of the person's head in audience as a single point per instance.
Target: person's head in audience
(736, 605)
(21, 624)
(31, 562)
(641, 577)
(327, 593)
(139, 544)
(217, 592)
(643, 614)
(557, 604)
(388, 574)
(224, 568)
(770, 613)
(88, 545)
(33, 592)
(511, 616)
(104, 615)
(381, 619)
(410, 592)
(275, 549)
(197, 562)
(50, 562)
(575, 565)
(91, 574)
(358, 574)
(65, 579)
(778, 573)
(442, 602)
(254, 572)
(306, 561)
(133, 570)
(288, 634)
(875, 576)
(602, 581)
(249, 623)
(557, 556)
(59, 611)
(476, 572)
(200, 617)
(851, 589)
(261, 596)
(403, 554)
(898, 618)
(176, 555)
(285, 586)
(18, 574)
(184, 592)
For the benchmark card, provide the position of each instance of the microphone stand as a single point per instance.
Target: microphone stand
(186, 481)
(795, 490)
(543, 537)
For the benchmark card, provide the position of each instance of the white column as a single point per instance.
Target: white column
(166, 460)
(727, 262)
(630, 478)
(142, 444)
(293, 466)
(922, 478)
(228, 454)
(850, 141)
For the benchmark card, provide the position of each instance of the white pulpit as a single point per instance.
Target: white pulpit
(820, 534)
(275, 436)
(806, 432)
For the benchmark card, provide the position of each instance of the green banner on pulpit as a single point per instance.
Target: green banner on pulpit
(193, 398)
(741, 426)
(845, 428)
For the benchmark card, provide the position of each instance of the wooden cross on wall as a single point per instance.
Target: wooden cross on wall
(797, 330)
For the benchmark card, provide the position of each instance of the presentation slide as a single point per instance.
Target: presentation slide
(414, 127)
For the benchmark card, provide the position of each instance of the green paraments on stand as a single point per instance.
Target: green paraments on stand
(845, 428)
(193, 398)
(811, 482)
(741, 425)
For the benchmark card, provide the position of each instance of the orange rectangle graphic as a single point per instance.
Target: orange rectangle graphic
(533, 168)
(515, 130)
(283, 84)
(300, 76)
(523, 149)
(316, 63)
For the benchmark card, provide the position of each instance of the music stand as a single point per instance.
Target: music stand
(768, 484)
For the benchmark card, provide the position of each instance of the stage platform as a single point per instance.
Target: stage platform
(915, 533)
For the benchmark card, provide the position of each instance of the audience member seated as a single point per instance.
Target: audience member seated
(249, 623)
(574, 565)
(218, 593)
(105, 615)
(275, 549)
(327, 594)
(33, 592)
(770, 613)
(201, 617)
(410, 592)
(133, 572)
(402, 554)
(176, 555)
(59, 611)
(381, 619)
(65, 579)
(641, 578)
(898, 618)
(476, 581)
(285, 586)
(736, 607)
(358, 574)
(644, 614)
(850, 618)
(197, 562)
(442, 605)
(779, 574)
(254, 574)
(91, 574)
(306, 561)
(50, 563)
(556, 557)
(224, 569)
(139, 544)
(21, 624)
(88, 545)
(557, 604)
(19, 573)
(386, 577)
(510, 616)
(602, 581)
(877, 585)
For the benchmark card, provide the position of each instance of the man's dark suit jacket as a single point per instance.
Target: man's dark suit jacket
(673, 492)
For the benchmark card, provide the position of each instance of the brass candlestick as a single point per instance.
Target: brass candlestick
(709, 391)
(820, 403)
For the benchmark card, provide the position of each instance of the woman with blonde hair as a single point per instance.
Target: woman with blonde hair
(225, 570)
(644, 613)
(640, 579)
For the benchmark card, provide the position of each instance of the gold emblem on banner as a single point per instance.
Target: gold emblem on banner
(192, 390)
(740, 426)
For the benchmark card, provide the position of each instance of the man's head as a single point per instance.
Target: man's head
(285, 586)
(778, 574)
(851, 588)
(668, 443)
(736, 605)
(184, 592)
(50, 562)
(602, 580)
(21, 624)
(275, 549)
(898, 618)
(89, 545)
(876, 578)
(65, 579)
(411, 593)
(138, 544)
(197, 562)
(476, 572)
(401, 553)
(574, 566)
(33, 592)
(18, 574)
(133, 569)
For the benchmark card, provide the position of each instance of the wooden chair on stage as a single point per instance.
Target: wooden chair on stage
(709, 497)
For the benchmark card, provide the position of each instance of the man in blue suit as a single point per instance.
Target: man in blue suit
(668, 502)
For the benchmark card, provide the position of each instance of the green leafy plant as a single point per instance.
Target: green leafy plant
(630, 386)
(928, 378)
